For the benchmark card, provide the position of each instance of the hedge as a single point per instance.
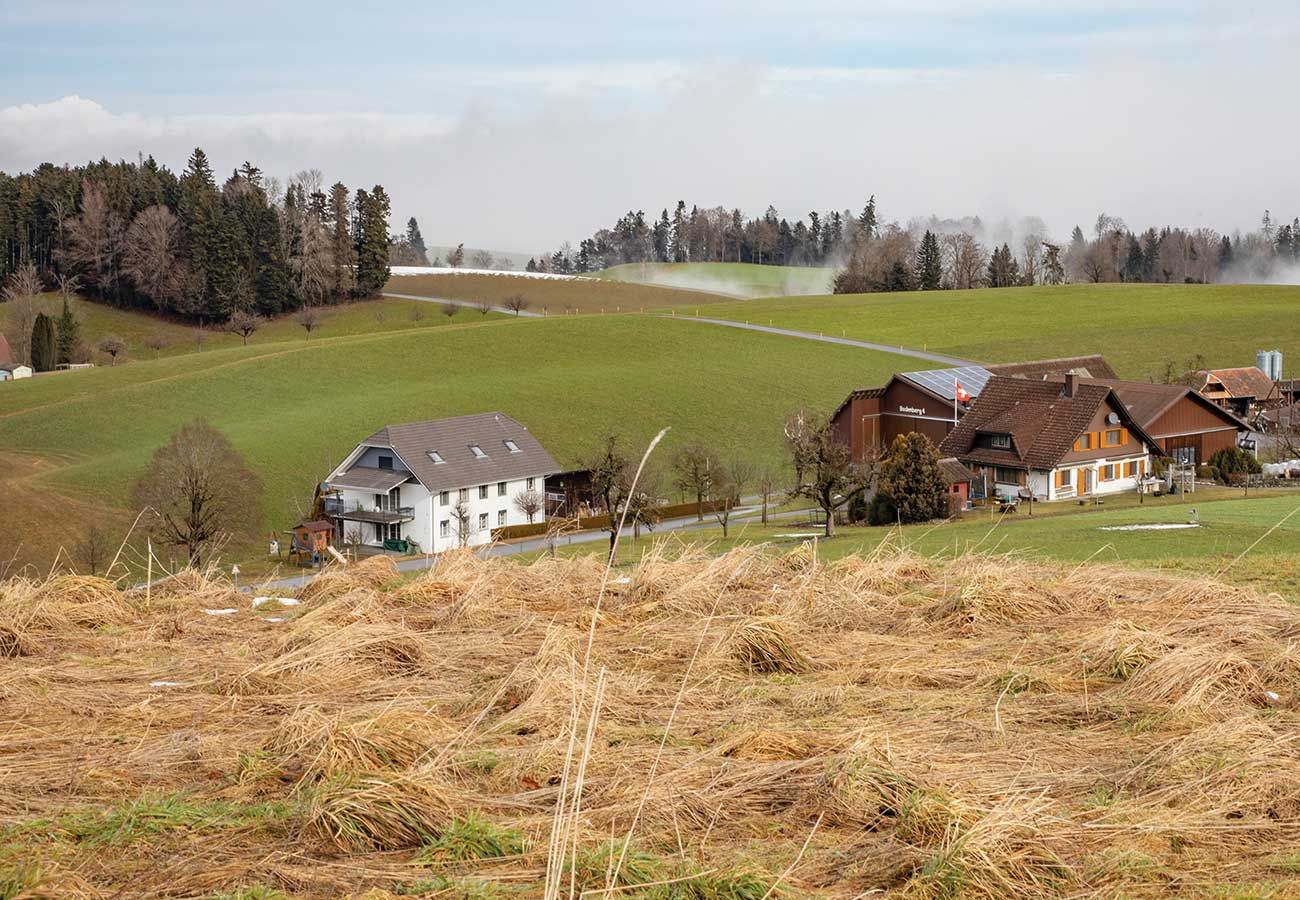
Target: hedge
(593, 523)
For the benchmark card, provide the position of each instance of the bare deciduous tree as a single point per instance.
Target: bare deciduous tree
(530, 503)
(461, 521)
(157, 342)
(94, 239)
(314, 268)
(113, 346)
(309, 318)
(244, 324)
(417, 312)
(484, 307)
(21, 289)
(482, 259)
(198, 490)
(729, 489)
(827, 474)
(767, 481)
(450, 309)
(696, 469)
(93, 550)
(152, 256)
(516, 303)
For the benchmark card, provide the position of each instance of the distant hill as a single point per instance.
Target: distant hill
(516, 260)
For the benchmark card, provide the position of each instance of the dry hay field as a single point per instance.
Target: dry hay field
(739, 726)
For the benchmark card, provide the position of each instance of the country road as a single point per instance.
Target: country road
(745, 326)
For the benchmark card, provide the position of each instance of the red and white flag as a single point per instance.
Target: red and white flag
(963, 395)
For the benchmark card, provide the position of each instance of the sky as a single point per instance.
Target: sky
(517, 126)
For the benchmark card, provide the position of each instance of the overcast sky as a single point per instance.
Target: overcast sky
(520, 125)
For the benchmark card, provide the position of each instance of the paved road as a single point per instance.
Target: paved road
(746, 326)
(741, 515)
(830, 339)
(523, 313)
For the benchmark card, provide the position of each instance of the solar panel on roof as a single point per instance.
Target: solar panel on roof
(943, 382)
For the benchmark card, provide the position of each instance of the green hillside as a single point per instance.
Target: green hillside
(295, 408)
(1139, 327)
(733, 279)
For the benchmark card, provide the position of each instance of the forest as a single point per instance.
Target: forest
(135, 234)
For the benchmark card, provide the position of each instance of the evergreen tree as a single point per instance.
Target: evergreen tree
(1003, 270)
(910, 478)
(1134, 262)
(929, 263)
(371, 241)
(69, 334)
(341, 243)
(44, 344)
(662, 237)
(867, 221)
(898, 277)
(1053, 270)
(679, 237)
(1225, 254)
(415, 240)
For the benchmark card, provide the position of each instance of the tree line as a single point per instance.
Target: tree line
(136, 234)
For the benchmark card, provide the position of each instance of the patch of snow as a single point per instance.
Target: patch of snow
(221, 612)
(273, 619)
(799, 534)
(1158, 526)
(283, 601)
(446, 270)
(163, 684)
(623, 580)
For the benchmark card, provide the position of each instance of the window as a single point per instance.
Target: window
(384, 462)
(512, 446)
(1107, 473)
(501, 488)
(437, 458)
(531, 482)
(463, 495)
(444, 528)
(501, 518)
(1130, 469)
(477, 451)
(1083, 442)
(482, 491)
(444, 498)
(1114, 437)
(1007, 476)
(1000, 441)
(482, 521)
(1065, 478)
(1184, 456)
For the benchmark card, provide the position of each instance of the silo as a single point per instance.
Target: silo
(1277, 364)
(1262, 361)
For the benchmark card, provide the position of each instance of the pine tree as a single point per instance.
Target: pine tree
(415, 240)
(662, 237)
(371, 241)
(1225, 254)
(44, 344)
(867, 221)
(679, 237)
(69, 334)
(341, 242)
(929, 263)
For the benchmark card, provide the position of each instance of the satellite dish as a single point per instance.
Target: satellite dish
(1113, 418)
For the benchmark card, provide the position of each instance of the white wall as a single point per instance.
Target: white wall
(491, 506)
(1099, 487)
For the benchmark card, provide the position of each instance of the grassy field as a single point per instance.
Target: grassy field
(745, 727)
(744, 280)
(135, 327)
(552, 296)
(1137, 327)
(294, 408)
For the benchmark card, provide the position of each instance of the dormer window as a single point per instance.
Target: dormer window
(384, 462)
(512, 446)
(437, 458)
(1000, 441)
(477, 451)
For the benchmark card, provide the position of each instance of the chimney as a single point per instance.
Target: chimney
(1071, 382)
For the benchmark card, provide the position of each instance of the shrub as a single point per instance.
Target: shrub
(1234, 464)
(910, 477)
(881, 510)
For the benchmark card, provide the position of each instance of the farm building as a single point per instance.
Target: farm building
(1052, 440)
(957, 479)
(14, 371)
(1245, 390)
(438, 484)
(933, 401)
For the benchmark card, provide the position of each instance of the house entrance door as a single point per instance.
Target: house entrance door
(1085, 481)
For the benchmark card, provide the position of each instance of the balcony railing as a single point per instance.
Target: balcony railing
(390, 516)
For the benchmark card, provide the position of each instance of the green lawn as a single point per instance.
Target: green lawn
(1229, 526)
(294, 408)
(733, 279)
(136, 328)
(548, 296)
(1137, 327)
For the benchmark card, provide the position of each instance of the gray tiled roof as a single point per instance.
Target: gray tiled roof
(368, 478)
(452, 438)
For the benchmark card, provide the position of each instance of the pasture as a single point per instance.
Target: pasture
(548, 296)
(1138, 327)
(90, 434)
(745, 280)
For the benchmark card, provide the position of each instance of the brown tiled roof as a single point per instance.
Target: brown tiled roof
(6, 355)
(316, 526)
(451, 439)
(1043, 423)
(1242, 382)
(1146, 402)
(953, 472)
(1093, 366)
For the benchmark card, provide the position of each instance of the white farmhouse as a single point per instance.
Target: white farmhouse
(441, 484)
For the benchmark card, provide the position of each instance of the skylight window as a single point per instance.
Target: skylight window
(512, 446)
(477, 451)
(437, 458)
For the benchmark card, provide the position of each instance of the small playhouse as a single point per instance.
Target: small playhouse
(310, 541)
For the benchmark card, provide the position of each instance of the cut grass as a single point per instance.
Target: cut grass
(726, 389)
(552, 296)
(745, 280)
(1138, 327)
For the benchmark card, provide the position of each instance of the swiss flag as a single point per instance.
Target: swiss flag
(963, 395)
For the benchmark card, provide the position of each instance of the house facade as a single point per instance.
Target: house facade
(1245, 391)
(14, 371)
(438, 485)
(1051, 440)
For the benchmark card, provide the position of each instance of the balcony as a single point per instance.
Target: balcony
(390, 516)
